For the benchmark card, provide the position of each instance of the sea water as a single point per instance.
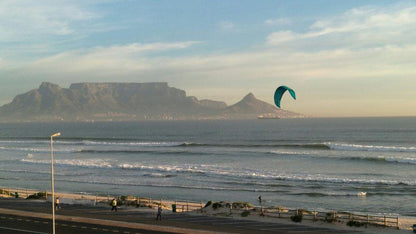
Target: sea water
(295, 163)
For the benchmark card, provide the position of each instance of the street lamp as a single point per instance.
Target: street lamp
(52, 184)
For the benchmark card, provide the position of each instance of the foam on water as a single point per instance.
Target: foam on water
(98, 163)
(378, 148)
(141, 144)
(215, 170)
(400, 159)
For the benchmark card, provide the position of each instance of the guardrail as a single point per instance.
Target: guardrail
(354, 219)
(177, 205)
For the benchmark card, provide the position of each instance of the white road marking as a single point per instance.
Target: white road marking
(22, 230)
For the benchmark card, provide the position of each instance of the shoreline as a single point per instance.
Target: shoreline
(271, 214)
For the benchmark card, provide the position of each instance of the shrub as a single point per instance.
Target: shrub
(355, 224)
(216, 205)
(242, 205)
(39, 195)
(208, 204)
(329, 217)
(297, 217)
(245, 213)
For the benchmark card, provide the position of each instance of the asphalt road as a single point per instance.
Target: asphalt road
(20, 224)
(86, 219)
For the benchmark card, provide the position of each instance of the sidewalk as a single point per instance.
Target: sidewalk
(142, 218)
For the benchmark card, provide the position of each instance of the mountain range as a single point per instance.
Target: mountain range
(127, 102)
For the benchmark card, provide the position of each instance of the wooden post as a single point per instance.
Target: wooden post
(278, 210)
(187, 206)
(398, 227)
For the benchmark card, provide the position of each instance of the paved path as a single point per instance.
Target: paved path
(76, 217)
(22, 224)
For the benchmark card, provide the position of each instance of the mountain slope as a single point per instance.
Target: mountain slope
(251, 107)
(123, 101)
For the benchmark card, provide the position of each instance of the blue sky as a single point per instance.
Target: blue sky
(343, 58)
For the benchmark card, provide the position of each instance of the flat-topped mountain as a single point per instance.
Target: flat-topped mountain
(125, 101)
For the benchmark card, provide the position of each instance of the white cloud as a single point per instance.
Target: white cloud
(33, 20)
(135, 48)
(280, 37)
(278, 22)
(227, 26)
(356, 28)
(374, 48)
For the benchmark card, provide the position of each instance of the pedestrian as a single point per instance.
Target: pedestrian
(261, 206)
(159, 213)
(114, 205)
(57, 205)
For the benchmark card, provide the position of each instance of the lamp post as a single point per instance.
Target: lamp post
(52, 183)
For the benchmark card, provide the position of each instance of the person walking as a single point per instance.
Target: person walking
(159, 213)
(57, 205)
(114, 205)
(261, 206)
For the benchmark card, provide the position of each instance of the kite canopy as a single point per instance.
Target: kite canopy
(279, 93)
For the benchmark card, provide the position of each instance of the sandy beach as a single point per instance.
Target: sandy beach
(131, 204)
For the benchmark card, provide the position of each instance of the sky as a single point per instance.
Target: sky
(343, 58)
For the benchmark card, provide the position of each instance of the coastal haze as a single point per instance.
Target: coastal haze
(128, 102)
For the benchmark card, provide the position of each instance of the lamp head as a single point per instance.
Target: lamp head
(56, 134)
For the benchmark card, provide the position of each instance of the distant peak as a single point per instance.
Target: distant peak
(48, 86)
(249, 97)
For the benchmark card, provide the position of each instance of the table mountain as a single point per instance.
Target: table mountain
(125, 102)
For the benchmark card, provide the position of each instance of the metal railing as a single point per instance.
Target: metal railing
(187, 206)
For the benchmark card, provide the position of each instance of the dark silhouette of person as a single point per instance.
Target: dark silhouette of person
(159, 213)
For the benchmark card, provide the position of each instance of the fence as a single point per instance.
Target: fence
(186, 206)
(353, 219)
(179, 206)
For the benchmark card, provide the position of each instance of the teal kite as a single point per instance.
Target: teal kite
(279, 93)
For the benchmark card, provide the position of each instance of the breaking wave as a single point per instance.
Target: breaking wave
(218, 171)
(378, 159)
(376, 148)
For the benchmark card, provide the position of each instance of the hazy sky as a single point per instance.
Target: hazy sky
(343, 58)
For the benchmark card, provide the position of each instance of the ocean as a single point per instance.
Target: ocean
(295, 163)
